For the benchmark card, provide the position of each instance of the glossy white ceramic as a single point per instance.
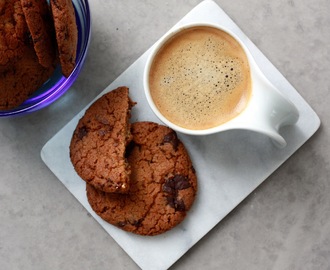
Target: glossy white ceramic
(267, 110)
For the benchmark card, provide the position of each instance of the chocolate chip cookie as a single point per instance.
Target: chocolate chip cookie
(21, 79)
(66, 33)
(98, 145)
(163, 184)
(38, 19)
(13, 33)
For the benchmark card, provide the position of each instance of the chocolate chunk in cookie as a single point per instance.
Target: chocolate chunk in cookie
(163, 184)
(66, 33)
(98, 145)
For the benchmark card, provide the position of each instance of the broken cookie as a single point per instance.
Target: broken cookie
(163, 184)
(98, 145)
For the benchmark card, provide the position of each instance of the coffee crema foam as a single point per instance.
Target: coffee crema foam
(200, 78)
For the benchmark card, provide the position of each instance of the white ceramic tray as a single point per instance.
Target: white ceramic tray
(229, 165)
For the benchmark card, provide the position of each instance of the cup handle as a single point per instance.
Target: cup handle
(268, 110)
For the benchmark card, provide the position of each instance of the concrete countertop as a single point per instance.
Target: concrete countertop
(283, 224)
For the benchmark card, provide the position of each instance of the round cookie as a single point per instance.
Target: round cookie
(66, 33)
(163, 184)
(13, 33)
(21, 79)
(39, 22)
(97, 148)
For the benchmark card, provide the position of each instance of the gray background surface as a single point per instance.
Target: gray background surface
(284, 224)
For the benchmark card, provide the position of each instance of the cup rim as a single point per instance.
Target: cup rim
(148, 65)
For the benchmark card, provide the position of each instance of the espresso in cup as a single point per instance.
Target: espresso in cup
(200, 78)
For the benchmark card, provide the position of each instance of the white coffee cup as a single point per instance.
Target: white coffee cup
(266, 111)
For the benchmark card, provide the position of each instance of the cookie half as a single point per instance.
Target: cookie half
(38, 19)
(66, 33)
(98, 145)
(163, 184)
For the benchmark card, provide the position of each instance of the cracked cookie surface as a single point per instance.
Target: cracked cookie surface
(66, 32)
(20, 71)
(21, 79)
(13, 33)
(98, 145)
(163, 184)
(38, 19)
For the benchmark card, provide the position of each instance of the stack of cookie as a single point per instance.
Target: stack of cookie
(139, 177)
(33, 36)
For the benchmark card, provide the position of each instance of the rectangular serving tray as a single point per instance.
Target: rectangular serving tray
(229, 165)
